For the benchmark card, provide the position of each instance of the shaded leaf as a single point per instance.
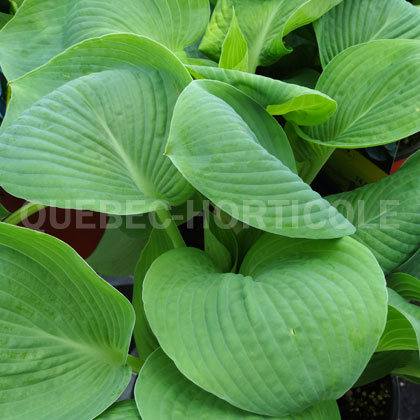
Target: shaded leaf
(296, 327)
(124, 410)
(158, 243)
(263, 23)
(65, 332)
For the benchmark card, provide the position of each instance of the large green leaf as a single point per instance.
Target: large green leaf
(263, 23)
(375, 86)
(295, 103)
(42, 29)
(387, 214)
(239, 157)
(88, 129)
(65, 332)
(354, 22)
(124, 410)
(296, 327)
(158, 243)
(162, 392)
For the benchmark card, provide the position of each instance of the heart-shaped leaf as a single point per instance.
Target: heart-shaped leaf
(124, 410)
(28, 42)
(238, 156)
(354, 22)
(375, 86)
(65, 332)
(295, 103)
(387, 214)
(263, 23)
(88, 129)
(296, 327)
(162, 392)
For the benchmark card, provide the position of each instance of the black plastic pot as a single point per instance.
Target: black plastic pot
(379, 400)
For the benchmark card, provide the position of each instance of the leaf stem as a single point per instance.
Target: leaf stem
(165, 218)
(23, 213)
(135, 363)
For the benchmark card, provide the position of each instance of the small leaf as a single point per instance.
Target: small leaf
(27, 43)
(235, 49)
(375, 86)
(158, 243)
(65, 332)
(163, 393)
(295, 103)
(88, 130)
(263, 23)
(387, 214)
(220, 243)
(124, 410)
(238, 156)
(296, 327)
(3, 212)
(343, 26)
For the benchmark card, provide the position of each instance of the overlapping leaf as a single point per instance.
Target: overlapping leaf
(88, 129)
(263, 23)
(238, 156)
(124, 410)
(354, 22)
(295, 103)
(296, 327)
(387, 214)
(162, 392)
(42, 29)
(158, 243)
(375, 86)
(65, 332)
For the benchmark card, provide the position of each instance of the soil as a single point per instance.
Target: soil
(373, 401)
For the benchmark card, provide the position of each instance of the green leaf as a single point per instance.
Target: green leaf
(398, 333)
(29, 42)
(246, 238)
(405, 285)
(354, 22)
(410, 311)
(295, 103)
(162, 392)
(124, 410)
(382, 364)
(387, 214)
(296, 327)
(65, 332)
(234, 49)
(4, 18)
(410, 368)
(239, 157)
(157, 245)
(3, 212)
(92, 126)
(220, 243)
(411, 265)
(375, 86)
(263, 23)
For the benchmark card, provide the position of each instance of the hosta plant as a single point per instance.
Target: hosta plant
(155, 111)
